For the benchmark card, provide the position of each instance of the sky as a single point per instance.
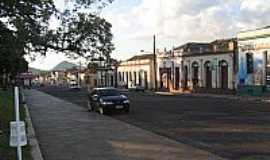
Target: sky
(174, 22)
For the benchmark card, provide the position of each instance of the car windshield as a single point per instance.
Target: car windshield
(109, 92)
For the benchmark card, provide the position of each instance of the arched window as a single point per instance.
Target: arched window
(249, 58)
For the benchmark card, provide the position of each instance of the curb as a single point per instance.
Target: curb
(164, 93)
(33, 142)
(233, 97)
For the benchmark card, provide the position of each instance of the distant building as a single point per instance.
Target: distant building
(76, 74)
(138, 70)
(25, 79)
(254, 61)
(198, 67)
(106, 76)
(103, 74)
(65, 72)
(91, 79)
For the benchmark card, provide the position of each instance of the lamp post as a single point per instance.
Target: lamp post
(79, 73)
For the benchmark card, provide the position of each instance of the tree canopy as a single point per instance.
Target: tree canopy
(25, 29)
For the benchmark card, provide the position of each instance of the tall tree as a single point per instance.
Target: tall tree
(24, 26)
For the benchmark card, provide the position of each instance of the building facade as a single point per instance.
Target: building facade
(254, 61)
(138, 70)
(106, 77)
(199, 67)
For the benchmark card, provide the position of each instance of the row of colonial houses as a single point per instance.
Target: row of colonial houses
(199, 67)
(239, 64)
(222, 66)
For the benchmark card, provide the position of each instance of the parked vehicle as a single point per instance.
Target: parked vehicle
(135, 87)
(105, 100)
(74, 85)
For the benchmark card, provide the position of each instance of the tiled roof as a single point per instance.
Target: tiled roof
(141, 57)
(223, 40)
(191, 44)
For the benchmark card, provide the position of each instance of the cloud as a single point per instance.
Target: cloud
(178, 21)
(254, 13)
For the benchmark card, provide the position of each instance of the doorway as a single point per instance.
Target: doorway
(185, 77)
(267, 78)
(223, 74)
(195, 74)
(145, 80)
(165, 78)
(208, 74)
(177, 78)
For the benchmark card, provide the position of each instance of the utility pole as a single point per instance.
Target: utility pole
(79, 75)
(173, 72)
(17, 115)
(101, 72)
(155, 63)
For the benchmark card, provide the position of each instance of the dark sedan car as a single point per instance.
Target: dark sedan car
(104, 100)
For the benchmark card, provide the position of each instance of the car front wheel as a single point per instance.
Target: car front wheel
(101, 110)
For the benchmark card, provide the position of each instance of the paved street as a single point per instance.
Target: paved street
(229, 128)
(68, 132)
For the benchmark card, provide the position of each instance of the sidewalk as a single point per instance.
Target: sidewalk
(68, 132)
(265, 99)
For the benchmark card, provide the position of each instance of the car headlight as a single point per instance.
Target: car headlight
(126, 101)
(105, 102)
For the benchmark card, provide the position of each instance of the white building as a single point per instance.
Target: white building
(138, 70)
(106, 76)
(198, 67)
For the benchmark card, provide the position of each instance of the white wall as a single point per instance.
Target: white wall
(216, 83)
(139, 66)
(170, 62)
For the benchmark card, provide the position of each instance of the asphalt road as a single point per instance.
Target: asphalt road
(229, 128)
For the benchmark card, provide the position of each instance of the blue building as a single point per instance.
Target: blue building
(253, 77)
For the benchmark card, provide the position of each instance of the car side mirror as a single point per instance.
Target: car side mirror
(95, 97)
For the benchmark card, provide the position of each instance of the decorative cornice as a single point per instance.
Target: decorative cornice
(254, 37)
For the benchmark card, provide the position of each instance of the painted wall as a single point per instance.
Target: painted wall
(257, 46)
(173, 62)
(216, 73)
(140, 67)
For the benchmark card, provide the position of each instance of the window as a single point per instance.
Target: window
(140, 78)
(120, 77)
(249, 58)
(145, 80)
(130, 76)
(135, 78)
(127, 77)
